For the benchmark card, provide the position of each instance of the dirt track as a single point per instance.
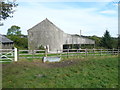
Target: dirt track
(45, 65)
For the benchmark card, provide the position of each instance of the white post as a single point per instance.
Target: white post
(15, 54)
(48, 48)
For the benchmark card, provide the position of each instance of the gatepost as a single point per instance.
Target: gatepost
(15, 54)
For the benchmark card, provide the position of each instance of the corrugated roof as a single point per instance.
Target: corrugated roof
(4, 39)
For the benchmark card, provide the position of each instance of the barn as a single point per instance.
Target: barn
(47, 34)
(5, 43)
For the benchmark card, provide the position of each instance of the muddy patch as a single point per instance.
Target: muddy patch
(42, 65)
(63, 63)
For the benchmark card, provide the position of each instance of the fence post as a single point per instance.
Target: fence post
(61, 53)
(15, 54)
(45, 52)
(107, 51)
(77, 51)
(113, 51)
(86, 51)
(67, 52)
(100, 52)
(93, 51)
(118, 51)
(57, 53)
(32, 54)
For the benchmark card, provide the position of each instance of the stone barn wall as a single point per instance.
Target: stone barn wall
(47, 34)
(7, 46)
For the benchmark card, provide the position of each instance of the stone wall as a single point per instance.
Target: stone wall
(47, 34)
(7, 46)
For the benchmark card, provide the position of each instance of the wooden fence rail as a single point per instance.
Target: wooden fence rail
(67, 52)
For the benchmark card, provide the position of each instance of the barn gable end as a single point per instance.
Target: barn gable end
(47, 34)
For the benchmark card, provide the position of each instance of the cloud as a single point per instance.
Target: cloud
(109, 12)
(69, 19)
(67, 0)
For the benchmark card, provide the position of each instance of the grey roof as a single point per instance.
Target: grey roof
(4, 39)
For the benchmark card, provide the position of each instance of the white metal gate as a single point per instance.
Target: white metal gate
(8, 55)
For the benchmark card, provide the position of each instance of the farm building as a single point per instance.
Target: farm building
(5, 43)
(47, 34)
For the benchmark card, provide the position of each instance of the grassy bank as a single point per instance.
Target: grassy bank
(84, 72)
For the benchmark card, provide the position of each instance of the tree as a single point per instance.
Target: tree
(106, 40)
(115, 42)
(118, 41)
(20, 40)
(6, 9)
(14, 30)
(96, 38)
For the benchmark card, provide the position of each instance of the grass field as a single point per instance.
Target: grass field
(83, 72)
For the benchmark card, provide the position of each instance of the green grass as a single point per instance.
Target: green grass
(26, 52)
(89, 72)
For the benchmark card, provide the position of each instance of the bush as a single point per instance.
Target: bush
(41, 47)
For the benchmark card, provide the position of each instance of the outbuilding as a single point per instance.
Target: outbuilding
(5, 43)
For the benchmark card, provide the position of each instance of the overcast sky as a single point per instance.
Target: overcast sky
(92, 17)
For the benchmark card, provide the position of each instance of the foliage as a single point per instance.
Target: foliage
(84, 74)
(115, 42)
(7, 9)
(119, 41)
(106, 40)
(97, 39)
(41, 47)
(14, 33)
(19, 42)
(14, 30)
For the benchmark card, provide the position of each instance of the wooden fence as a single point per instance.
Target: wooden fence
(67, 52)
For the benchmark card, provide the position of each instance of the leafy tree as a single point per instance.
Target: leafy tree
(115, 42)
(97, 39)
(20, 41)
(119, 41)
(6, 9)
(106, 40)
(14, 30)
